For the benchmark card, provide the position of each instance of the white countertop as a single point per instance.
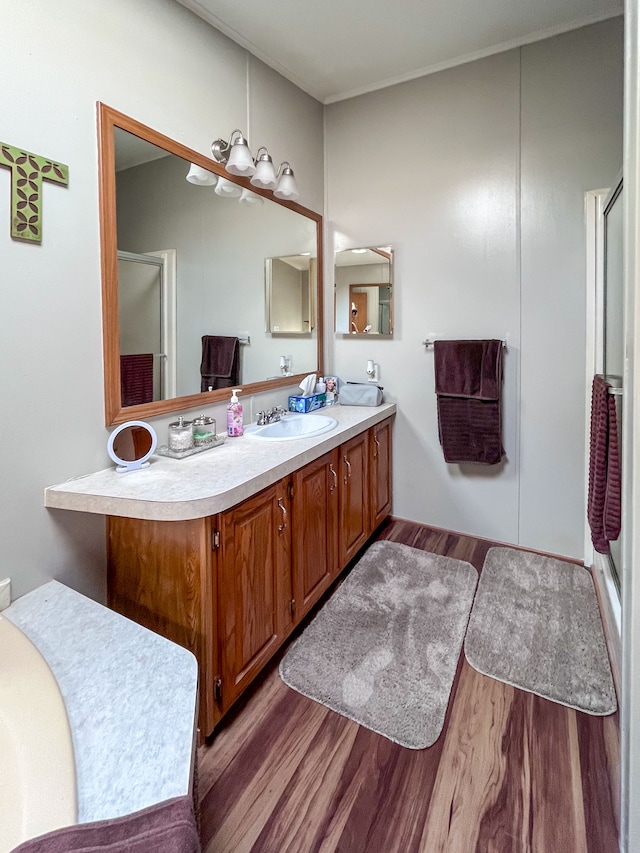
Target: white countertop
(209, 482)
(130, 697)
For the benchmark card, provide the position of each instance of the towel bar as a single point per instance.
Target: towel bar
(429, 343)
(617, 392)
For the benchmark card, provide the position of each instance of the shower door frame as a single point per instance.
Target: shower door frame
(596, 202)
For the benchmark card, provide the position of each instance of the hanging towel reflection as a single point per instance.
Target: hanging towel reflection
(136, 379)
(220, 366)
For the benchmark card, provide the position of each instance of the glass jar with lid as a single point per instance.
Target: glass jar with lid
(204, 431)
(180, 437)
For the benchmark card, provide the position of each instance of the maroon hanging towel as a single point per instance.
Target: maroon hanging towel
(468, 387)
(136, 379)
(220, 366)
(604, 502)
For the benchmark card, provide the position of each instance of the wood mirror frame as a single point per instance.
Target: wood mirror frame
(115, 413)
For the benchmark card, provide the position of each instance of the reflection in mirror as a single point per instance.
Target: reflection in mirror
(364, 291)
(184, 261)
(131, 445)
(290, 283)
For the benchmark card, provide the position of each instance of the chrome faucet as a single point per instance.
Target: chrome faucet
(270, 416)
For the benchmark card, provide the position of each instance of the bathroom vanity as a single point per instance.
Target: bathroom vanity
(226, 552)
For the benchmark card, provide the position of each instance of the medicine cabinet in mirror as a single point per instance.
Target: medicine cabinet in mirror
(183, 278)
(363, 300)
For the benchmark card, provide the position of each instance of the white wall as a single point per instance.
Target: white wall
(476, 177)
(157, 62)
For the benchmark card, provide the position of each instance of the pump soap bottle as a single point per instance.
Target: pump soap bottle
(234, 415)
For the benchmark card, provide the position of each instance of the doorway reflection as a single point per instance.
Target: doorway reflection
(364, 291)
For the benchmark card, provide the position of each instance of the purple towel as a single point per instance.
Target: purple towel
(468, 384)
(605, 495)
(220, 366)
(136, 379)
(167, 827)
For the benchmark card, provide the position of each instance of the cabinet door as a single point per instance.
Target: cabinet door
(354, 499)
(315, 516)
(162, 575)
(380, 472)
(254, 586)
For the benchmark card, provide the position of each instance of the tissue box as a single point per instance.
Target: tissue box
(307, 404)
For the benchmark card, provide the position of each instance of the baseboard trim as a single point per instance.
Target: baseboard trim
(495, 542)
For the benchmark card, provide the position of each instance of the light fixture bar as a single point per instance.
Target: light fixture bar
(237, 159)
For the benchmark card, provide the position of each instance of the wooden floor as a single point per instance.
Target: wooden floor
(510, 771)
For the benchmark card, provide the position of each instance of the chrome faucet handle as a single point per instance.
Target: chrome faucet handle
(261, 419)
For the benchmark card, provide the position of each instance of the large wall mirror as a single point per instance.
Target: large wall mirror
(183, 278)
(363, 300)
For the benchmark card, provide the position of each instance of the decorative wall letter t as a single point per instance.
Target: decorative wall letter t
(28, 171)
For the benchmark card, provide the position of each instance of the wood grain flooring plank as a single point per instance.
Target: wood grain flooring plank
(611, 735)
(393, 795)
(303, 816)
(236, 809)
(237, 728)
(506, 825)
(558, 813)
(472, 767)
(600, 813)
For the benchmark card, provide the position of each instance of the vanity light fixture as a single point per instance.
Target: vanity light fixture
(238, 160)
(287, 187)
(227, 189)
(265, 174)
(235, 154)
(250, 199)
(201, 177)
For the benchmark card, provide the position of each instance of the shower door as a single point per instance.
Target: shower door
(613, 325)
(147, 313)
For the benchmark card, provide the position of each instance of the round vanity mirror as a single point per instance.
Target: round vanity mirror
(131, 445)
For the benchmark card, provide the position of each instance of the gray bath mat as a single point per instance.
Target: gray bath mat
(535, 624)
(383, 651)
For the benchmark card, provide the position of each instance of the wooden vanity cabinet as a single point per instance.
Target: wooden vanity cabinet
(232, 587)
(355, 517)
(255, 600)
(316, 557)
(163, 575)
(380, 476)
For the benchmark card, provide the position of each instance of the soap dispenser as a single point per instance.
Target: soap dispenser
(234, 414)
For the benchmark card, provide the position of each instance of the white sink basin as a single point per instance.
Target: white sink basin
(38, 778)
(292, 426)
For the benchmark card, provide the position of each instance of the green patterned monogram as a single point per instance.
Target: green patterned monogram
(28, 171)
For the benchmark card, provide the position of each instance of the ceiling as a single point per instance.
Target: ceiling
(336, 49)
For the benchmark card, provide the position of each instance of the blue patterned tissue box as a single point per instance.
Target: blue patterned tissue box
(307, 404)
